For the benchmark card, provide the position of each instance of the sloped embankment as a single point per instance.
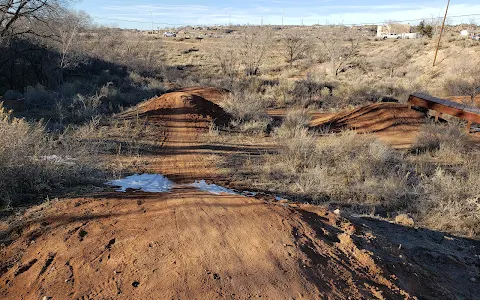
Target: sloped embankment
(393, 123)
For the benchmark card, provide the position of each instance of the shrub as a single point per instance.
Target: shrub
(295, 121)
(425, 29)
(349, 169)
(444, 140)
(254, 45)
(34, 165)
(245, 106)
(12, 95)
(468, 87)
(450, 198)
(309, 91)
(452, 202)
(439, 186)
(38, 97)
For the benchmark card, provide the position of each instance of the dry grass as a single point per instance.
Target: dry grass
(437, 185)
(449, 181)
(348, 168)
(248, 110)
(34, 165)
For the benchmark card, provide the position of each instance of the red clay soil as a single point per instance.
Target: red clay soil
(189, 244)
(185, 115)
(188, 103)
(214, 95)
(394, 124)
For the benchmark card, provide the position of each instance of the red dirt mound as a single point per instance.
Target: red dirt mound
(190, 244)
(185, 114)
(393, 123)
(194, 104)
(214, 95)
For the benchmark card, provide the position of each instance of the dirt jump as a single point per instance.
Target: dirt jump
(394, 124)
(194, 244)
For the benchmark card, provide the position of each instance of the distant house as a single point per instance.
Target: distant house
(401, 30)
(169, 34)
(413, 35)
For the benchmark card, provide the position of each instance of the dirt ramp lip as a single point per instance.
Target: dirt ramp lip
(371, 118)
(212, 94)
(198, 104)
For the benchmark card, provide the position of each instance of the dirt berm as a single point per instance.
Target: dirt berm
(191, 244)
(393, 123)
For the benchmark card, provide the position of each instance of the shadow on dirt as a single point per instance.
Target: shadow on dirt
(427, 264)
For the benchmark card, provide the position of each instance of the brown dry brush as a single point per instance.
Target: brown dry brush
(254, 45)
(438, 183)
(35, 165)
(293, 46)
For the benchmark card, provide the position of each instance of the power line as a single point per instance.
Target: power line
(413, 20)
(350, 24)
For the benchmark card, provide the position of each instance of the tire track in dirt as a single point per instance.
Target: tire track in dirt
(190, 244)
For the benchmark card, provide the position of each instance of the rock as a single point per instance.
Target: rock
(404, 219)
(337, 211)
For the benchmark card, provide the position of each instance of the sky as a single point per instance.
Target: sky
(169, 13)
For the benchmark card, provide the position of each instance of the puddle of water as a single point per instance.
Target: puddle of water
(157, 183)
(154, 183)
(212, 188)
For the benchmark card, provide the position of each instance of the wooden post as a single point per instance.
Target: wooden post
(441, 32)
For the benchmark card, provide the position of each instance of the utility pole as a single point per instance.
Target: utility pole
(441, 32)
(262, 22)
(283, 13)
(151, 18)
(229, 23)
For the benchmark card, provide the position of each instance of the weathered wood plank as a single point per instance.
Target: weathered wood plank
(468, 113)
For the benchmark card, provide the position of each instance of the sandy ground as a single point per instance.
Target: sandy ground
(189, 244)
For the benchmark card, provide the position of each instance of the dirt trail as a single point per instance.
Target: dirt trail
(185, 114)
(182, 245)
(189, 244)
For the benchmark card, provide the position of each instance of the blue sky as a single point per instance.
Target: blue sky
(140, 14)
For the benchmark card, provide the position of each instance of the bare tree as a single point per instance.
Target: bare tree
(67, 28)
(254, 45)
(227, 58)
(339, 47)
(293, 47)
(20, 17)
(392, 59)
